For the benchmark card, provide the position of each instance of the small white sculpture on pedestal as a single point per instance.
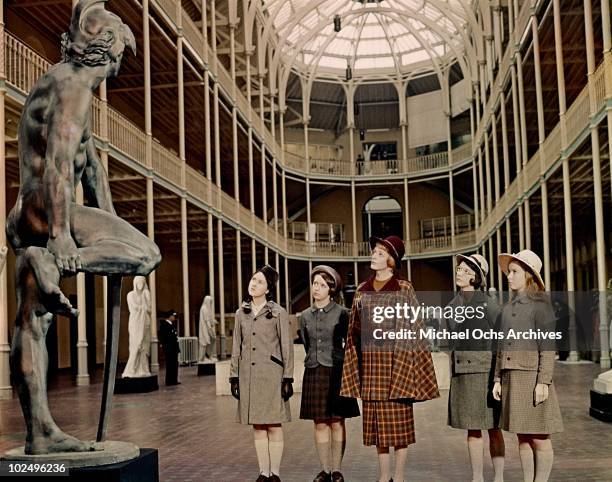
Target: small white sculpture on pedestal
(3, 251)
(139, 328)
(207, 334)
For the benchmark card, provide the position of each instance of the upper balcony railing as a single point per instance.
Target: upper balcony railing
(332, 167)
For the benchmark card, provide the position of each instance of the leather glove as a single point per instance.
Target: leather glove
(540, 393)
(287, 388)
(497, 391)
(235, 387)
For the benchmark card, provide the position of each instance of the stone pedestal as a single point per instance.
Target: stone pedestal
(601, 397)
(136, 385)
(142, 467)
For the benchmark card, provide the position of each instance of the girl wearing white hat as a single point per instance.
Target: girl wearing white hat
(523, 373)
(470, 405)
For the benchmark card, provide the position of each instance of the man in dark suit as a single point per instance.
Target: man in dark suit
(168, 337)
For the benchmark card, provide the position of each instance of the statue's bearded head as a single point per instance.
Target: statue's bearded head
(96, 37)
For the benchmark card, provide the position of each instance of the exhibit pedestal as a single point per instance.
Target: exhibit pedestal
(136, 385)
(110, 461)
(601, 397)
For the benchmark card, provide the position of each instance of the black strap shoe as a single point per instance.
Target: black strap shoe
(337, 477)
(323, 477)
(262, 478)
(274, 478)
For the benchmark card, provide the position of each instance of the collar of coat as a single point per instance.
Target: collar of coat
(247, 307)
(391, 285)
(326, 309)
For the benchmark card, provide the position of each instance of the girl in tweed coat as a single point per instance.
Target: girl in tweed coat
(470, 404)
(523, 377)
(388, 376)
(261, 370)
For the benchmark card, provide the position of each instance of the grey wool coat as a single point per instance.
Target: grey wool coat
(474, 356)
(262, 356)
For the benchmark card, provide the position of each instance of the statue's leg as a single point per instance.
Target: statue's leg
(42, 263)
(110, 245)
(29, 362)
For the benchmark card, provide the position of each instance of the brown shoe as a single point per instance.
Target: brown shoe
(323, 477)
(274, 478)
(337, 477)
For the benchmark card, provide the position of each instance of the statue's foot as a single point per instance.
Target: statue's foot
(47, 275)
(57, 442)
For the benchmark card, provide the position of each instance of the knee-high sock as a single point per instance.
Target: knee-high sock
(543, 464)
(526, 455)
(400, 463)
(323, 449)
(498, 467)
(476, 451)
(337, 451)
(263, 456)
(384, 464)
(276, 454)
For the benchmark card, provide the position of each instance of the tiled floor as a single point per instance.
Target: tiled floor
(198, 439)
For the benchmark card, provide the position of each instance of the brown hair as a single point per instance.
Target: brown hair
(331, 283)
(533, 290)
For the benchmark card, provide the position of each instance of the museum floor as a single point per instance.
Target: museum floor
(198, 440)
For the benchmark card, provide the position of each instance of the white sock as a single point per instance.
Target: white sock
(323, 449)
(263, 456)
(498, 467)
(276, 454)
(337, 451)
(543, 464)
(526, 455)
(476, 451)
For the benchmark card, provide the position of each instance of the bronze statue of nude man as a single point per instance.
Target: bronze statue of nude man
(51, 235)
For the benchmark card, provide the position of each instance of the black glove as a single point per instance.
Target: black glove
(235, 387)
(287, 388)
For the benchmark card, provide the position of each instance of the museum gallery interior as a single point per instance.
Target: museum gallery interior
(201, 199)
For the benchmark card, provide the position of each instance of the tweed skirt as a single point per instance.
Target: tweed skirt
(320, 395)
(470, 402)
(388, 423)
(518, 411)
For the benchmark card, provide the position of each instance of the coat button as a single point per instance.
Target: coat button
(508, 358)
(253, 363)
(253, 349)
(469, 361)
(458, 361)
(513, 314)
(253, 333)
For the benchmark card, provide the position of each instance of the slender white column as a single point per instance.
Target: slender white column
(184, 233)
(600, 243)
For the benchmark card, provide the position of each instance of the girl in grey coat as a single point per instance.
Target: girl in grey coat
(524, 368)
(470, 405)
(261, 370)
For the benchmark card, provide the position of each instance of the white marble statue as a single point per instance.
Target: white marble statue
(139, 327)
(3, 251)
(207, 334)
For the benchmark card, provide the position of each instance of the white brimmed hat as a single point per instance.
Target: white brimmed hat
(477, 261)
(528, 259)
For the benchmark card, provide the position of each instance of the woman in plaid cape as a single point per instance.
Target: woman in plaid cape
(388, 376)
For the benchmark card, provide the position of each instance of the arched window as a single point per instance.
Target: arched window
(382, 216)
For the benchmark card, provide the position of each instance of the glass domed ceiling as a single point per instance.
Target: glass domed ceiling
(388, 36)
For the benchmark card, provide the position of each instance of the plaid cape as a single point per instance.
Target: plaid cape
(392, 370)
